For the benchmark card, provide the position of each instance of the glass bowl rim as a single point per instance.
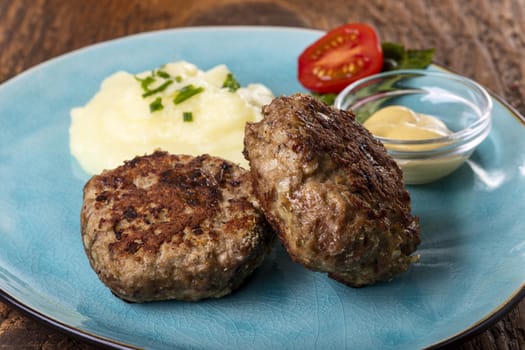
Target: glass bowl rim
(462, 136)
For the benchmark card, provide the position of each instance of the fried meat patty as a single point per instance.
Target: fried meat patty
(331, 191)
(167, 226)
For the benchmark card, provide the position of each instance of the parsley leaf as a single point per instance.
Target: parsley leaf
(396, 57)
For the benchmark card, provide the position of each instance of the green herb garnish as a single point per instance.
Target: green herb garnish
(162, 74)
(328, 98)
(396, 57)
(178, 79)
(156, 105)
(187, 116)
(231, 83)
(186, 92)
(146, 82)
(158, 89)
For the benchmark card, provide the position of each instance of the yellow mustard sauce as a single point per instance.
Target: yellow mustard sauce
(401, 123)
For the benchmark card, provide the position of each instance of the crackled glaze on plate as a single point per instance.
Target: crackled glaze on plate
(472, 253)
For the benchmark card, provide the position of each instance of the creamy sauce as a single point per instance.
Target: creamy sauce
(401, 123)
(135, 114)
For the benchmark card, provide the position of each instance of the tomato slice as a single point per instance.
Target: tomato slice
(343, 55)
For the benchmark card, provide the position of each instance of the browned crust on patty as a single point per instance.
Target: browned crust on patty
(331, 191)
(173, 227)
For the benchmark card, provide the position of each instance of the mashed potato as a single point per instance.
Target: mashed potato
(177, 108)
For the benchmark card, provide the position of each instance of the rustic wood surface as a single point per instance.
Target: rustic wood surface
(482, 39)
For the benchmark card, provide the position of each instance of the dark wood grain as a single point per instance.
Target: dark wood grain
(482, 39)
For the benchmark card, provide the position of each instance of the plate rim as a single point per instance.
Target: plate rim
(107, 42)
(83, 335)
(75, 332)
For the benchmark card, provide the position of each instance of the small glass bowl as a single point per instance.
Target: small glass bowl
(463, 105)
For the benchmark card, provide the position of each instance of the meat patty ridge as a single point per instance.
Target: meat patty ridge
(167, 226)
(331, 191)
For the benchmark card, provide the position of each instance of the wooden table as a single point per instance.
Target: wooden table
(482, 39)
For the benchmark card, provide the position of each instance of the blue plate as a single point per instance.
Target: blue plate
(472, 254)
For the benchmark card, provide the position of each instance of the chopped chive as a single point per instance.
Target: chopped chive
(178, 79)
(146, 82)
(186, 92)
(158, 89)
(162, 74)
(231, 83)
(156, 105)
(187, 116)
